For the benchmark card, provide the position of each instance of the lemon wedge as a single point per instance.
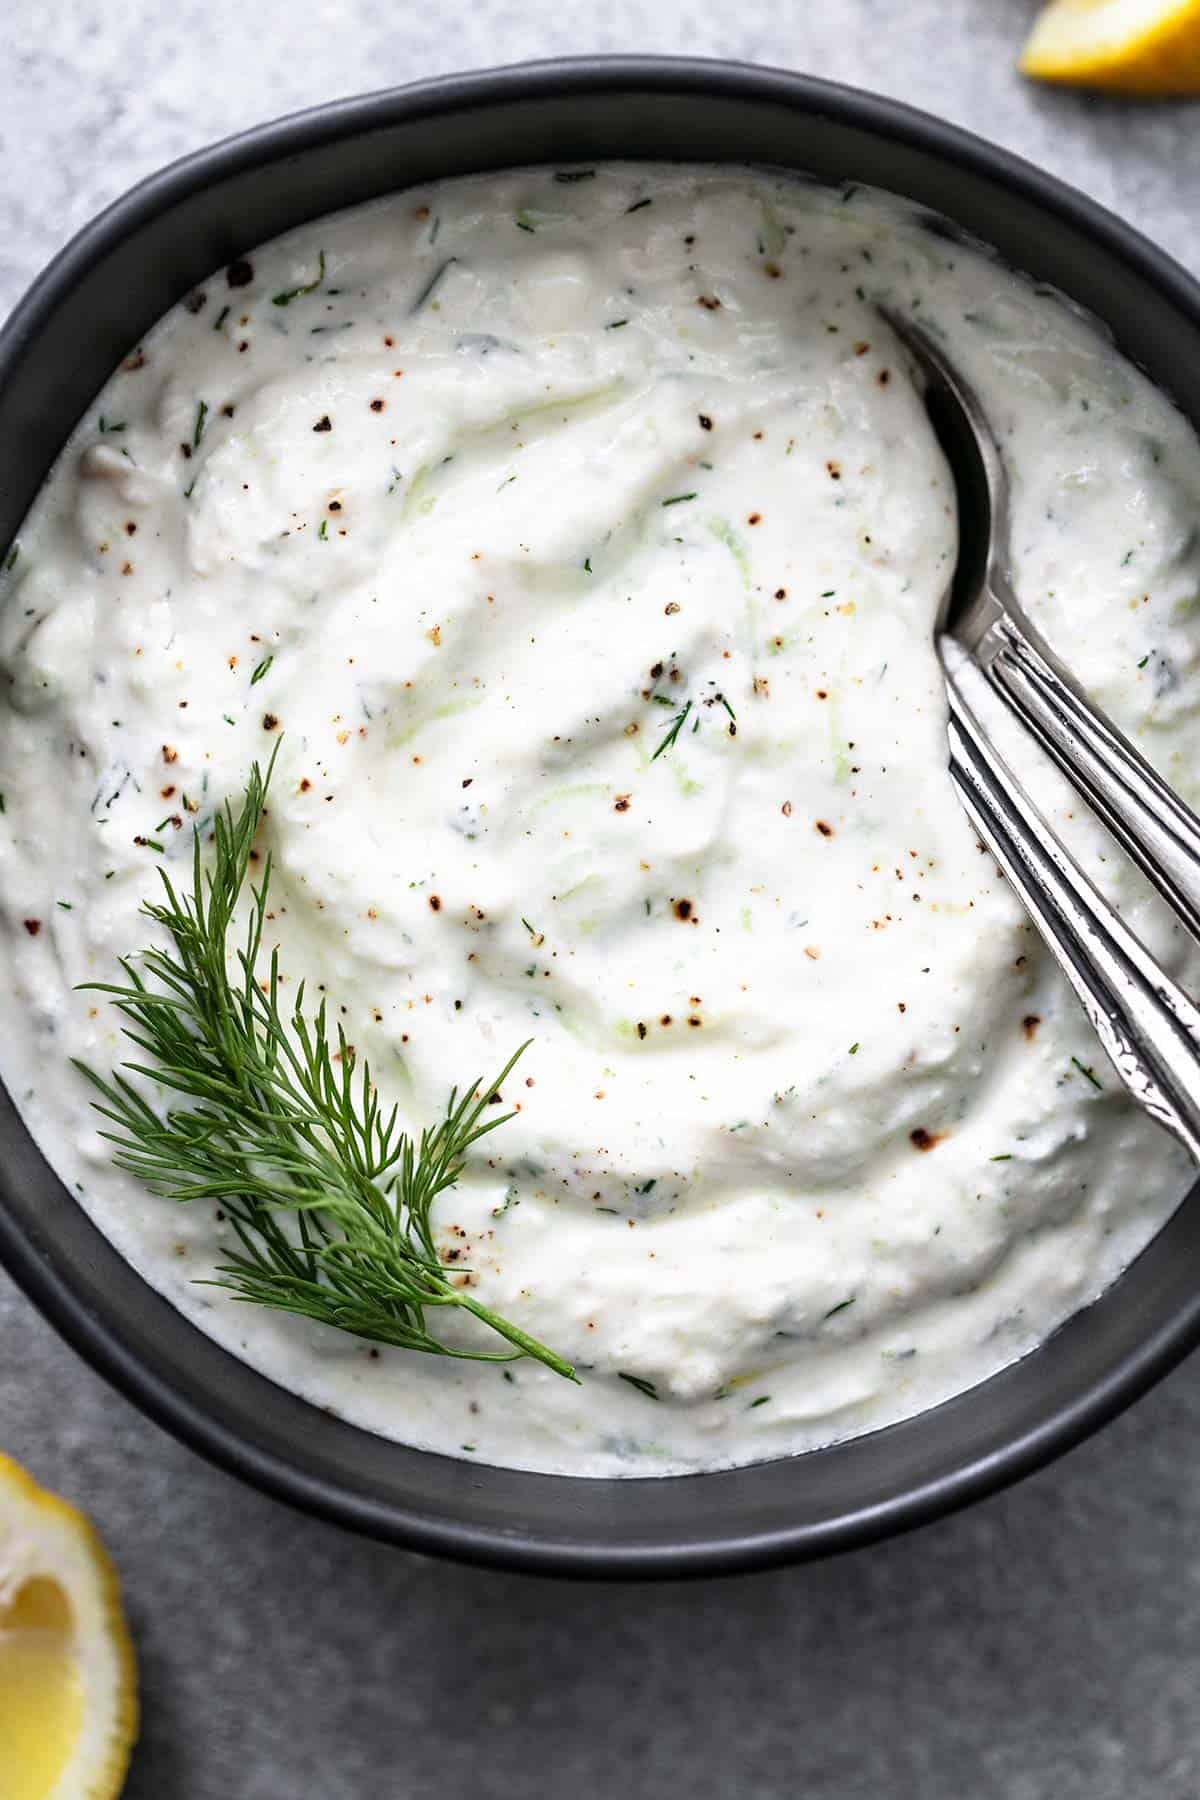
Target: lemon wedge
(68, 1683)
(1133, 46)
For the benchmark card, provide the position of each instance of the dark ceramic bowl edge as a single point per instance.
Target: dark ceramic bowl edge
(32, 1263)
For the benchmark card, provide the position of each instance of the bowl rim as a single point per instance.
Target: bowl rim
(95, 1337)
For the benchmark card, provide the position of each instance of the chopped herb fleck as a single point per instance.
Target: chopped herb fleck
(616, 324)
(261, 670)
(323, 530)
(427, 292)
(640, 1383)
(1088, 1074)
(309, 287)
(221, 318)
(761, 1401)
(10, 561)
(673, 730)
(677, 499)
(638, 205)
(840, 1307)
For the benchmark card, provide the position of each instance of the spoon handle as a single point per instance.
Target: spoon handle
(1146, 817)
(1146, 1023)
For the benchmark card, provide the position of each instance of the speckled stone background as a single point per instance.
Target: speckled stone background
(1045, 1646)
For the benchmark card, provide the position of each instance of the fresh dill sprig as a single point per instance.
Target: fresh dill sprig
(331, 1203)
(673, 730)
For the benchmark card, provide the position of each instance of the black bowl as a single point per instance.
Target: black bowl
(110, 284)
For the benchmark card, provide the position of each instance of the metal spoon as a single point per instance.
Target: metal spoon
(982, 613)
(1147, 1024)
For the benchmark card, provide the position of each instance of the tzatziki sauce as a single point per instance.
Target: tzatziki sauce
(578, 536)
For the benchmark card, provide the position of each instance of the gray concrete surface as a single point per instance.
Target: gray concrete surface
(1045, 1646)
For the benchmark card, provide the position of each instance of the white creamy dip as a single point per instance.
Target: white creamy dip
(810, 1134)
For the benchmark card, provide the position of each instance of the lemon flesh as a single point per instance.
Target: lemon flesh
(1129, 46)
(41, 1696)
(68, 1700)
